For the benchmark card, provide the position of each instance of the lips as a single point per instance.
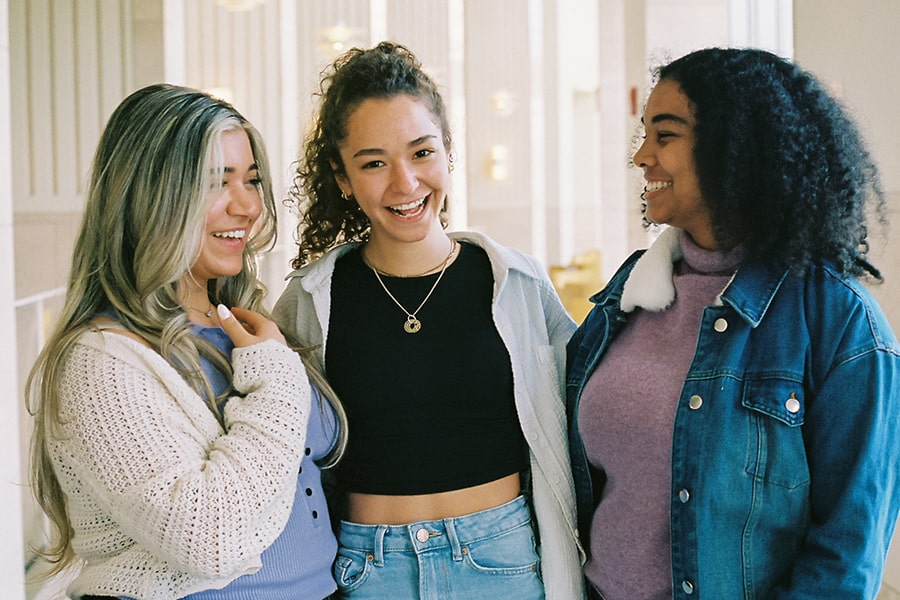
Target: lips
(655, 186)
(410, 209)
(236, 234)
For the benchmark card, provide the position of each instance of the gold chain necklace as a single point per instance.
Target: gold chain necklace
(412, 324)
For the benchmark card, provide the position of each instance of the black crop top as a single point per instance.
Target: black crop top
(430, 411)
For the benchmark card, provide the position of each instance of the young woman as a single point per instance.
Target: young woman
(169, 433)
(447, 352)
(733, 395)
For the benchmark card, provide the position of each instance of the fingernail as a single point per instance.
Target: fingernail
(223, 311)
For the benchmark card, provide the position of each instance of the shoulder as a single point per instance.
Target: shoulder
(109, 339)
(302, 283)
(504, 259)
(108, 325)
(841, 295)
(319, 270)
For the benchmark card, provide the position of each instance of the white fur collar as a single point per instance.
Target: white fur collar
(649, 284)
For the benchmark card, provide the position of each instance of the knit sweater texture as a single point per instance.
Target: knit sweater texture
(162, 499)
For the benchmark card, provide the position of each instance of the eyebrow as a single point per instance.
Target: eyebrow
(253, 167)
(666, 117)
(376, 151)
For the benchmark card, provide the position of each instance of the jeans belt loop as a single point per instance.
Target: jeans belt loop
(378, 551)
(455, 548)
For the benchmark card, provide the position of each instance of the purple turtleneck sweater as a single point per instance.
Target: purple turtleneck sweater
(626, 418)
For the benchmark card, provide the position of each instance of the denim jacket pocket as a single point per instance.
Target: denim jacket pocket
(776, 452)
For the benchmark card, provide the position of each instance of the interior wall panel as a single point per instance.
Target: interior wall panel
(87, 126)
(63, 114)
(70, 68)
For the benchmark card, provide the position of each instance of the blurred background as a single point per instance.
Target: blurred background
(545, 97)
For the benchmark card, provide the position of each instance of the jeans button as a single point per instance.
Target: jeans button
(422, 535)
(687, 586)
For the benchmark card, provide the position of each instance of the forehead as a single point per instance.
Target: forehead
(668, 103)
(399, 118)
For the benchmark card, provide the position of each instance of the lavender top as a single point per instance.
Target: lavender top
(626, 419)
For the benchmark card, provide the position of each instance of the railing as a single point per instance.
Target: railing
(34, 317)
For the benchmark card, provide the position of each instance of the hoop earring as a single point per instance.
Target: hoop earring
(346, 196)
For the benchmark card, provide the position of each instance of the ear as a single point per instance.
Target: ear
(344, 186)
(341, 179)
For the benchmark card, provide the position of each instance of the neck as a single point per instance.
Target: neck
(195, 300)
(408, 259)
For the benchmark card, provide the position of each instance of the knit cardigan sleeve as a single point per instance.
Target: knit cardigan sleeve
(144, 462)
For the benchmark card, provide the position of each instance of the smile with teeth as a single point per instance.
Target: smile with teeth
(410, 209)
(237, 234)
(655, 186)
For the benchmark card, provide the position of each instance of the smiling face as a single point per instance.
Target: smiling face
(232, 210)
(397, 168)
(672, 191)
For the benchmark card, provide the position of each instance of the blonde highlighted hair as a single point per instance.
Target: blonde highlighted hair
(141, 232)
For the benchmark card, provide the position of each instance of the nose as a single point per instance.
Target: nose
(404, 179)
(245, 201)
(643, 157)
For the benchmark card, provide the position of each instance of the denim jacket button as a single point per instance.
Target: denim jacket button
(684, 495)
(792, 405)
(720, 325)
(695, 402)
(687, 586)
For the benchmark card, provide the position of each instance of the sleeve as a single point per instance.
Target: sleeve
(560, 328)
(204, 500)
(285, 312)
(853, 450)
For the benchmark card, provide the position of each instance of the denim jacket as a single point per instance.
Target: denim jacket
(534, 327)
(786, 443)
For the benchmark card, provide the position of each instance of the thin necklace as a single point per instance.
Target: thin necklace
(427, 271)
(412, 324)
(208, 313)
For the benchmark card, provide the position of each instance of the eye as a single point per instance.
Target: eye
(374, 164)
(662, 136)
(424, 152)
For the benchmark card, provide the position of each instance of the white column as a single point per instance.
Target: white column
(12, 551)
(538, 165)
(766, 24)
(174, 42)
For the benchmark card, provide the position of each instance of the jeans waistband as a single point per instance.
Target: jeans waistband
(423, 536)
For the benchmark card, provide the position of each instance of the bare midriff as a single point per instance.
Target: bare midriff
(378, 509)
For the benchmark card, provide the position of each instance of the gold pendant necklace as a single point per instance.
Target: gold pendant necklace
(412, 324)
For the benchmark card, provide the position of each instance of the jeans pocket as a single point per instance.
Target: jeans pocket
(351, 569)
(512, 552)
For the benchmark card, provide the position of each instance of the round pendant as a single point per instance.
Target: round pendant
(412, 325)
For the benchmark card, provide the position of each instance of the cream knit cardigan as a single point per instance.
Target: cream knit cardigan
(162, 501)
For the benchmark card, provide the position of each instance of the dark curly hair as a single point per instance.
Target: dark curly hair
(782, 166)
(387, 70)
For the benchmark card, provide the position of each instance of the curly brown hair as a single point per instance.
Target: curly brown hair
(326, 218)
(783, 167)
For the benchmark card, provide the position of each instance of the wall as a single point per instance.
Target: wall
(566, 131)
(70, 64)
(12, 548)
(861, 64)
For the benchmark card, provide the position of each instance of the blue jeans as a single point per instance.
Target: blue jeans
(488, 554)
